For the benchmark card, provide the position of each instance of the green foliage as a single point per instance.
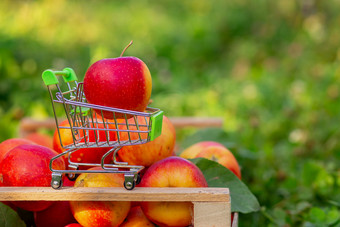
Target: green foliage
(242, 200)
(269, 68)
(9, 218)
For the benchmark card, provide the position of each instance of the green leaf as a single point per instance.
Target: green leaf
(317, 215)
(333, 216)
(242, 200)
(9, 218)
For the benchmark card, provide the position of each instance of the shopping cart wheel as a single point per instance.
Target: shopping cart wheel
(138, 179)
(72, 176)
(129, 185)
(56, 181)
(130, 181)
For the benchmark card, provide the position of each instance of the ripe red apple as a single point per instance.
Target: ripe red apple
(84, 155)
(6, 146)
(9, 144)
(136, 218)
(148, 153)
(41, 139)
(57, 215)
(193, 150)
(28, 165)
(73, 225)
(171, 172)
(213, 151)
(100, 213)
(122, 82)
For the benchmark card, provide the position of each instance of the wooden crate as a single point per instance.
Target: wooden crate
(211, 205)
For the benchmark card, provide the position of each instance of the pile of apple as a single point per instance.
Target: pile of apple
(125, 83)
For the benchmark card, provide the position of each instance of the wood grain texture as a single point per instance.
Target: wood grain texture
(212, 214)
(115, 194)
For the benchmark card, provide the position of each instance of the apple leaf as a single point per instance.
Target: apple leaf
(9, 218)
(242, 200)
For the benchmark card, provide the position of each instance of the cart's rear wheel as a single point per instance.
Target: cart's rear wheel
(138, 179)
(72, 176)
(129, 185)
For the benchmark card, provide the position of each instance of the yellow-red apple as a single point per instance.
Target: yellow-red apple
(28, 165)
(223, 156)
(65, 137)
(136, 218)
(213, 151)
(122, 82)
(193, 150)
(100, 213)
(148, 153)
(171, 172)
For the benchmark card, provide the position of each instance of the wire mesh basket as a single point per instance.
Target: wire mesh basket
(89, 129)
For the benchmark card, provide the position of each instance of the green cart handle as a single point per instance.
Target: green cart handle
(50, 77)
(156, 125)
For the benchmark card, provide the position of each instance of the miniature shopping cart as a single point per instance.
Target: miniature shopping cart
(89, 129)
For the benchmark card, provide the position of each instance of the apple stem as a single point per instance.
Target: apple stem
(126, 48)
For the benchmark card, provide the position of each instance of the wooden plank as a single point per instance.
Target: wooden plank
(114, 194)
(196, 122)
(213, 214)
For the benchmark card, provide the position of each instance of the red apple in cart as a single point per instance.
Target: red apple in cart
(100, 213)
(27, 165)
(148, 153)
(171, 172)
(122, 82)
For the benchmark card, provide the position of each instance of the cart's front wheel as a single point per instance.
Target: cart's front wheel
(56, 181)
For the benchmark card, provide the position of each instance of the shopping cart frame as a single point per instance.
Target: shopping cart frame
(90, 129)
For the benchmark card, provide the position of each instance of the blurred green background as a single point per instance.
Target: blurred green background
(269, 68)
